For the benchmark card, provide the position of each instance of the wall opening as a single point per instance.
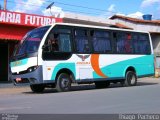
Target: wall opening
(3, 61)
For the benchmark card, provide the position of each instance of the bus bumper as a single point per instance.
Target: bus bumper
(34, 77)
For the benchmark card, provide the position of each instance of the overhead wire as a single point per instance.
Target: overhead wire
(80, 6)
(68, 10)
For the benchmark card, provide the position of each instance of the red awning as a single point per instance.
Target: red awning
(14, 25)
(13, 32)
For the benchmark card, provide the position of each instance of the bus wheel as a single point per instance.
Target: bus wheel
(63, 83)
(102, 84)
(37, 88)
(130, 80)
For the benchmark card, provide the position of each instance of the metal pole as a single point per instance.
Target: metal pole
(5, 4)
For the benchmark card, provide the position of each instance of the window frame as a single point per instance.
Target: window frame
(55, 31)
(124, 33)
(110, 40)
(87, 38)
(132, 42)
(148, 40)
(58, 55)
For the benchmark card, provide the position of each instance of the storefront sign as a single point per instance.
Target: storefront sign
(26, 19)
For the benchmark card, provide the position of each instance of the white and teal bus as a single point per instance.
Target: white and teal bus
(61, 54)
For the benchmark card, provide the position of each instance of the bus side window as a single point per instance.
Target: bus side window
(81, 41)
(124, 44)
(136, 45)
(53, 44)
(59, 41)
(145, 44)
(141, 44)
(128, 43)
(57, 45)
(120, 43)
(65, 42)
(101, 41)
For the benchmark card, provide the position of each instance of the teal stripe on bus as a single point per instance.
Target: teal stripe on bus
(143, 65)
(69, 66)
(19, 63)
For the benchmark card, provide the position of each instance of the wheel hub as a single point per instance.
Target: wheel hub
(65, 83)
(132, 79)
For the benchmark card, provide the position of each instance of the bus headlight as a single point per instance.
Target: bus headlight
(31, 69)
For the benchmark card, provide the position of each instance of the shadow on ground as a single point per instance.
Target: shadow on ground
(84, 87)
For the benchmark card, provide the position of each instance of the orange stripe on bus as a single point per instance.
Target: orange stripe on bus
(95, 65)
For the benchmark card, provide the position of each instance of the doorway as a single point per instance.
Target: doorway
(3, 61)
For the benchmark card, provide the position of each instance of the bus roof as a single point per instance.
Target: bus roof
(101, 27)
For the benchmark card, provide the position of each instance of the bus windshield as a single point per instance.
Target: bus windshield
(30, 42)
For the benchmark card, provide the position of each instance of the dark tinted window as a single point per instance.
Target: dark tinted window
(59, 40)
(124, 43)
(141, 44)
(101, 41)
(65, 42)
(81, 41)
(58, 44)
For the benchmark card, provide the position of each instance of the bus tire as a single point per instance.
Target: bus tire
(63, 83)
(130, 79)
(39, 88)
(100, 85)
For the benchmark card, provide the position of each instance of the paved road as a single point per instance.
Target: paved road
(144, 98)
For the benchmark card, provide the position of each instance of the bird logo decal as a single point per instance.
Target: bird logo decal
(83, 57)
(94, 62)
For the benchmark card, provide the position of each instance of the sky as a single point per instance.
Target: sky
(98, 8)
